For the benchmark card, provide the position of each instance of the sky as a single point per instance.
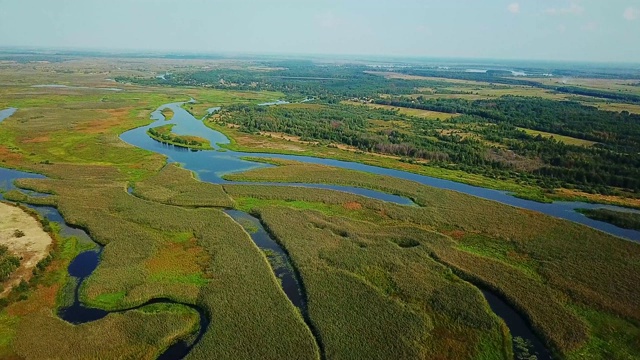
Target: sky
(569, 30)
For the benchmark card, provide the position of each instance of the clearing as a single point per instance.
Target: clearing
(565, 139)
(425, 114)
(24, 237)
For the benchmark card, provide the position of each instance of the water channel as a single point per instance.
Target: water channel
(210, 166)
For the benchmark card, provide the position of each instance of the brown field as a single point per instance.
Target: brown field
(32, 247)
(424, 114)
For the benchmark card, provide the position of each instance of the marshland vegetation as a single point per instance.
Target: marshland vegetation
(403, 278)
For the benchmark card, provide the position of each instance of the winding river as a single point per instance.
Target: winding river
(83, 265)
(212, 165)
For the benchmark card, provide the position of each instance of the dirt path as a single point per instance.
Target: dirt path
(31, 248)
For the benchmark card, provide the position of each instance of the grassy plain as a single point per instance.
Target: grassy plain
(545, 272)
(207, 99)
(364, 283)
(176, 186)
(565, 139)
(370, 269)
(198, 256)
(423, 114)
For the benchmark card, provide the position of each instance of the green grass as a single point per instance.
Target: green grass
(374, 272)
(540, 264)
(258, 144)
(627, 220)
(212, 98)
(109, 301)
(220, 268)
(363, 287)
(176, 186)
(163, 134)
(423, 114)
(167, 113)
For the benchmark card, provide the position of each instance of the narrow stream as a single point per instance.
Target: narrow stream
(518, 327)
(278, 258)
(281, 265)
(85, 263)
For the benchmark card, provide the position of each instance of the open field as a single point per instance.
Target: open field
(363, 283)
(424, 114)
(141, 334)
(176, 186)
(564, 139)
(617, 85)
(616, 107)
(213, 98)
(22, 235)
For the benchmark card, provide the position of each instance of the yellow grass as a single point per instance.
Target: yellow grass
(565, 139)
(617, 107)
(425, 114)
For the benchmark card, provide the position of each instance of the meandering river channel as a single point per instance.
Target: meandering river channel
(212, 165)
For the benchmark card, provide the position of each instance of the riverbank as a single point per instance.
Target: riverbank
(251, 143)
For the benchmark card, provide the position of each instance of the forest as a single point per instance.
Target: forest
(486, 139)
(492, 137)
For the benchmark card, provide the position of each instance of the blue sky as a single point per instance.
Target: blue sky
(587, 30)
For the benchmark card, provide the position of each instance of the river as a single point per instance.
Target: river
(212, 165)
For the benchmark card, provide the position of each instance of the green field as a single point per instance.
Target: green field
(491, 244)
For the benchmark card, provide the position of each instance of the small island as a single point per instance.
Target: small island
(626, 220)
(164, 135)
(167, 113)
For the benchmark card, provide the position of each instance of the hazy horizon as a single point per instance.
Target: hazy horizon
(544, 30)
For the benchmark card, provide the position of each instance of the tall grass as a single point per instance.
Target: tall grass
(370, 296)
(198, 256)
(176, 186)
(542, 265)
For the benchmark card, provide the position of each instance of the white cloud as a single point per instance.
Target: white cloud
(514, 8)
(574, 8)
(631, 13)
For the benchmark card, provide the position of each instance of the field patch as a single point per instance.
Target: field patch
(564, 139)
(424, 114)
